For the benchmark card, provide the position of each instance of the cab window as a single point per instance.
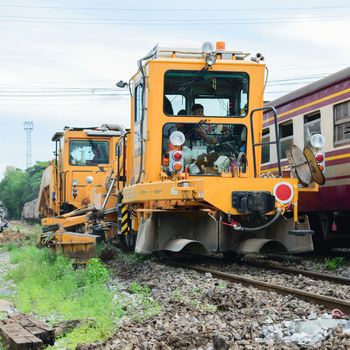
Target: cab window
(221, 94)
(209, 149)
(138, 103)
(87, 153)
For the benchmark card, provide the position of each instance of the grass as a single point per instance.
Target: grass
(49, 286)
(192, 300)
(143, 306)
(134, 258)
(334, 263)
(2, 345)
(8, 247)
(221, 285)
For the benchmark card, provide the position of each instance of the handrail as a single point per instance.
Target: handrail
(277, 141)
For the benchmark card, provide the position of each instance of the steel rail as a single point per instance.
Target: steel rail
(328, 302)
(295, 271)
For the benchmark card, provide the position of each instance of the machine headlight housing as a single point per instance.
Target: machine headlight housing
(89, 179)
(317, 140)
(75, 183)
(210, 59)
(207, 48)
(177, 138)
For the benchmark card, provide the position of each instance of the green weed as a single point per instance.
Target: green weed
(334, 263)
(2, 345)
(48, 285)
(134, 258)
(8, 247)
(222, 285)
(138, 289)
(195, 290)
(193, 301)
(144, 306)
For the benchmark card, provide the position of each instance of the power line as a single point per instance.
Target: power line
(307, 67)
(169, 22)
(194, 20)
(320, 75)
(178, 9)
(57, 95)
(21, 87)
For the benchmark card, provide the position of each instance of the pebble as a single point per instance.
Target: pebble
(312, 316)
(197, 313)
(236, 335)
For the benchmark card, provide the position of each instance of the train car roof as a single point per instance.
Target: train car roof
(310, 88)
(103, 130)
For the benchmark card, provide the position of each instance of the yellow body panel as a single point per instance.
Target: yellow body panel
(156, 118)
(212, 191)
(58, 187)
(66, 205)
(173, 209)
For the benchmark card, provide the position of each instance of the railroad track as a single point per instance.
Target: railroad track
(328, 302)
(285, 269)
(295, 271)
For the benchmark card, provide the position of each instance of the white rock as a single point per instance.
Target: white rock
(312, 316)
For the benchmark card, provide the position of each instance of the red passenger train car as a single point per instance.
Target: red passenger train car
(322, 107)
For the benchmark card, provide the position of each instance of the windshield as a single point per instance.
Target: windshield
(88, 152)
(209, 149)
(219, 94)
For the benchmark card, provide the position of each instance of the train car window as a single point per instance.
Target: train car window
(312, 126)
(209, 149)
(222, 94)
(138, 103)
(286, 137)
(265, 149)
(342, 123)
(87, 153)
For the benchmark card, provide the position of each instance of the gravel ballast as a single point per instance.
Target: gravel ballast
(202, 312)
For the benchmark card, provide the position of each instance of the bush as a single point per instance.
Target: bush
(335, 263)
(48, 285)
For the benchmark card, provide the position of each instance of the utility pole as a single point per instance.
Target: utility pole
(28, 127)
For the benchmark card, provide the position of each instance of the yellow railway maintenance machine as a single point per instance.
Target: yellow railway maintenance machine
(78, 190)
(194, 154)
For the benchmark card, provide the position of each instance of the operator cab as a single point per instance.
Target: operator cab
(210, 148)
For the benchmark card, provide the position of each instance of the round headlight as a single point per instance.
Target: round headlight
(177, 138)
(207, 47)
(74, 182)
(210, 59)
(317, 140)
(89, 179)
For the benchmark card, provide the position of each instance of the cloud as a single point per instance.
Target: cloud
(63, 55)
(327, 34)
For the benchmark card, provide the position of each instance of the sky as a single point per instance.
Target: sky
(60, 60)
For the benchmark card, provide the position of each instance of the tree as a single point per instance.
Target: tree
(12, 188)
(19, 186)
(34, 173)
